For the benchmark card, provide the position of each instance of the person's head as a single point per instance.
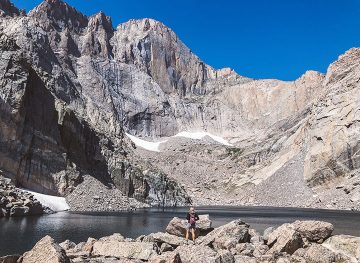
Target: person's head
(192, 210)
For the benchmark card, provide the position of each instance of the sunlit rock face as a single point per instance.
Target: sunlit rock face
(72, 86)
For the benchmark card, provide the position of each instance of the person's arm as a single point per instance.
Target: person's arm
(188, 217)
(196, 217)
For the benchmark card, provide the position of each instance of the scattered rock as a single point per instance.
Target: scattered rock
(226, 244)
(318, 253)
(45, 251)
(267, 232)
(226, 236)
(284, 239)
(15, 202)
(313, 230)
(9, 259)
(344, 244)
(167, 238)
(131, 250)
(194, 253)
(167, 257)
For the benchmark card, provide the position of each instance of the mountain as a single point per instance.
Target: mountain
(73, 87)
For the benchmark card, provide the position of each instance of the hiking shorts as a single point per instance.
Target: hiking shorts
(190, 226)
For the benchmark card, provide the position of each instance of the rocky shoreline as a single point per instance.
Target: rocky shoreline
(15, 202)
(235, 242)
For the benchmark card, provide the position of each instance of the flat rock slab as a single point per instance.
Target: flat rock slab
(169, 239)
(130, 250)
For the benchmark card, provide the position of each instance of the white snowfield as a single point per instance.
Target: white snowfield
(201, 135)
(55, 203)
(150, 146)
(154, 146)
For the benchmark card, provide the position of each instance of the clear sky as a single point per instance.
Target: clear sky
(258, 38)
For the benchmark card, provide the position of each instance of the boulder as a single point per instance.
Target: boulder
(67, 244)
(19, 211)
(177, 226)
(245, 249)
(114, 237)
(267, 232)
(260, 249)
(318, 253)
(244, 259)
(344, 244)
(197, 253)
(313, 230)
(2, 212)
(88, 246)
(167, 257)
(284, 239)
(45, 251)
(130, 250)
(9, 259)
(165, 247)
(167, 238)
(226, 256)
(226, 236)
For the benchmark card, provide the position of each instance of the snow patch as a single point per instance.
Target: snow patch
(154, 146)
(150, 146)
(55, 203)
(201, 135)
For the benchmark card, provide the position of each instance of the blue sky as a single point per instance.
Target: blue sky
(258, 38)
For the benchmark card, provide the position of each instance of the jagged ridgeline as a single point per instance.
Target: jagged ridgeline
(71, 86)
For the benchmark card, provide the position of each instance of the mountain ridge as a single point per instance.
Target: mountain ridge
(100, 82)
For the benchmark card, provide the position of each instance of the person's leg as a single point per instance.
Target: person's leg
(193, 234)
(187, 234)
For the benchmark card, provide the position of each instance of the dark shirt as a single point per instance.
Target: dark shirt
(188, 217)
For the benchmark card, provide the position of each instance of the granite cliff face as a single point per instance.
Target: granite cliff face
(72, 86)
(58, 120)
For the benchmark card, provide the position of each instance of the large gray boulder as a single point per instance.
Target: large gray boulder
(197, 253)
(177, 226)
(9, 259)
(19, 210)
(284, 239)
(167, 257)
(167, 238)
(130, 250)
(313, 230)
(346, 245)
(226, 236)
(45, 251)
(318, 253)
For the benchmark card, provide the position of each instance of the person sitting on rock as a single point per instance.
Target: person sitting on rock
(191, 217)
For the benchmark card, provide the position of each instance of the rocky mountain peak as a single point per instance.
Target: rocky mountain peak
(346, 63)
(156, 49)
(60, 15)
(8, 9)
(99, 31)
(100, 20)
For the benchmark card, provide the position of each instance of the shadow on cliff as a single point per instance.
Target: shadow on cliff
(41, 149)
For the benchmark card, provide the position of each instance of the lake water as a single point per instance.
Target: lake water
(18, 235)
